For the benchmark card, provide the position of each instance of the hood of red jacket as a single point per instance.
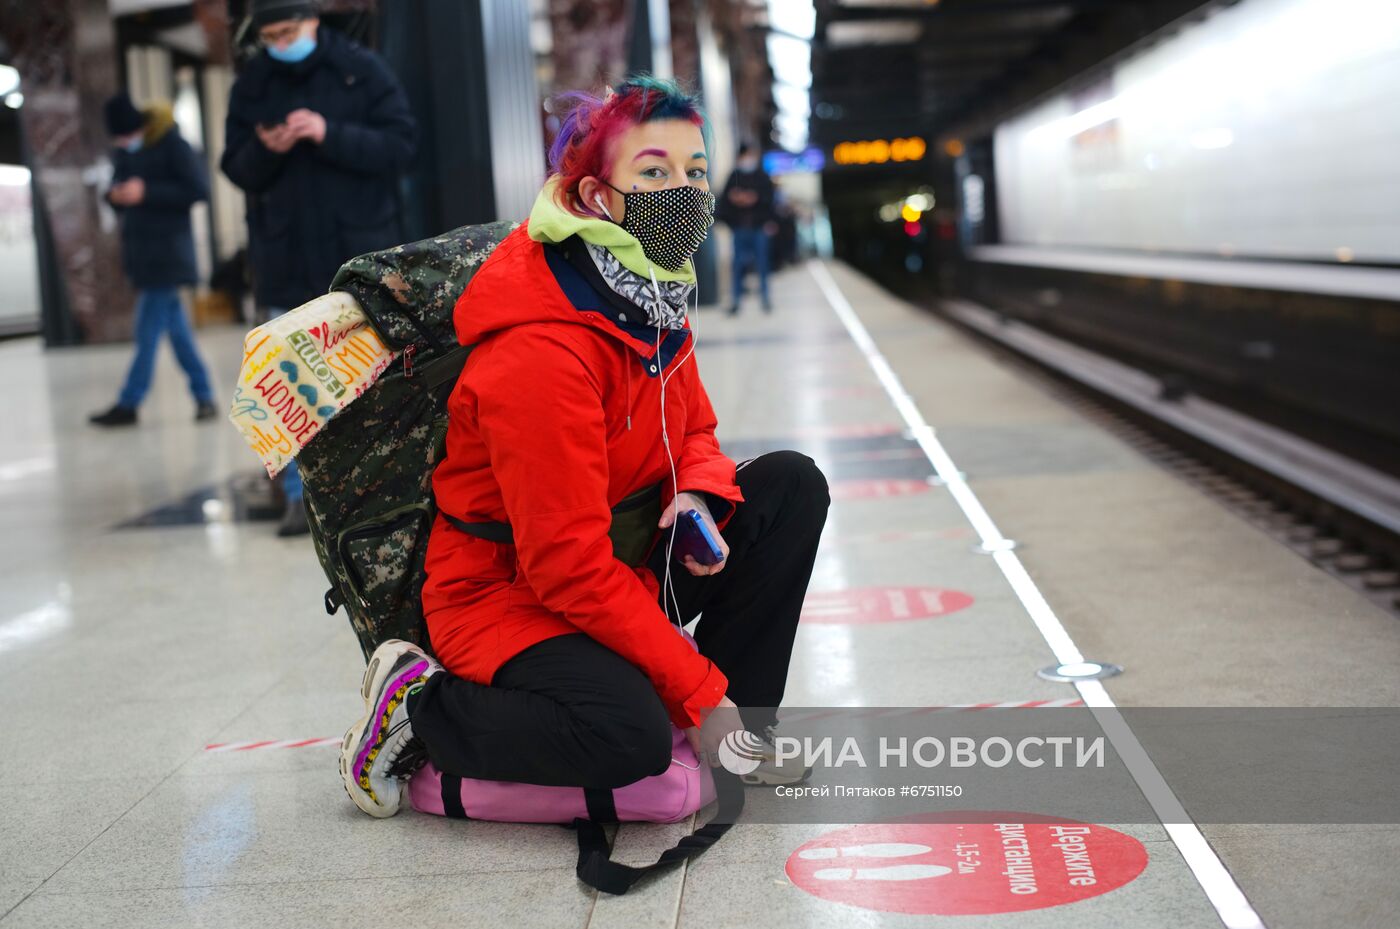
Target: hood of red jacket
(515, 286)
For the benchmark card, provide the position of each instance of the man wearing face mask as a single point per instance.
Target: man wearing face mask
(318, 131)
(156, 178)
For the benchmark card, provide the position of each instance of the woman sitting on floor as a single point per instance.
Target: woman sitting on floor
(557, 628)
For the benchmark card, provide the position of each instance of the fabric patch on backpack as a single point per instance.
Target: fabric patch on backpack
(299, 370)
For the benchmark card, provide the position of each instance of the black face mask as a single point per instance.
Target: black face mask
(669, 223)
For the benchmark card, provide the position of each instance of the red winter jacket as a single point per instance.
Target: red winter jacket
(538, 437)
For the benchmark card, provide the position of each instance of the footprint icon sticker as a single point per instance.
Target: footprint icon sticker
(873, 850)
(1008, 863)
(289, 369)
(899, 872)
(309, 392)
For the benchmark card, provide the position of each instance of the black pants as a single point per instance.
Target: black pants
(570, 712)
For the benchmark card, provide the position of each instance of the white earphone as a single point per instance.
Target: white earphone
(668, 595)
(668, 592)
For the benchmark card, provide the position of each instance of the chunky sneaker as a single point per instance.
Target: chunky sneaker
(379, 752)
(773, 773)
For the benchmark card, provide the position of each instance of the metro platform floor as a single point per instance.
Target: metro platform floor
(126, 652)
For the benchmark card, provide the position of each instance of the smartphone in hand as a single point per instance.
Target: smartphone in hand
(694, 538)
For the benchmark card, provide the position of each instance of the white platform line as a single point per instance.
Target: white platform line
(1230, 902)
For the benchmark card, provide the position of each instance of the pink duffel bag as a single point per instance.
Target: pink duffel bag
(684, 788)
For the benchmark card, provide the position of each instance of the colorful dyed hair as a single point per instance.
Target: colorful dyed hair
(591, 124)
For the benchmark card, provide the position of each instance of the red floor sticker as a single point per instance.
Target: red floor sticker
(847, 430)
(882, 604)
(269, 743)
(869, 490)
(952, 869)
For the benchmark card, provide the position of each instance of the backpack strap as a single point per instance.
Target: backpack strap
(597, 869)
(502, 534)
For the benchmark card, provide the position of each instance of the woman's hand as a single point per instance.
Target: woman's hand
(690, 501)
(719, 722)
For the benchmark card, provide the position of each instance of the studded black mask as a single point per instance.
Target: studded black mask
(669, 223)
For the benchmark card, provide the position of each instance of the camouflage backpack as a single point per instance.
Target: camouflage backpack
(368, 473)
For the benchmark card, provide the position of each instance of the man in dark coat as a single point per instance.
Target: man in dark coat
(156, 178)
(318, 131)
(746, 206)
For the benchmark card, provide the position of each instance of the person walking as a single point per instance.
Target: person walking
(746, 206)
(318, 131)
(156, 178)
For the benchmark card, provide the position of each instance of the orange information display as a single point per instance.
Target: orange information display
(879, 151)
(966, 869)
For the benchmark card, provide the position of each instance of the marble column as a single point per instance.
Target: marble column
(65, 51)
(685, 42)
(590, 43)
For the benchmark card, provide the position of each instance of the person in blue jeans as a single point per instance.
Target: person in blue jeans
(746, 206)
(156, 178)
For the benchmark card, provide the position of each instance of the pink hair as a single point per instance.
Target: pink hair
(585, 142)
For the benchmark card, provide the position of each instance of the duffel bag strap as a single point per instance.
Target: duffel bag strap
(597, 869)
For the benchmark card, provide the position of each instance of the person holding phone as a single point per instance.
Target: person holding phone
(579, 434)
(318, 131)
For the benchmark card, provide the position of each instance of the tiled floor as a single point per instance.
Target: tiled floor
(125, 651)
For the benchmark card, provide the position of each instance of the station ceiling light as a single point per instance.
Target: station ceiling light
(792, 23)
(796, 101)
(795, 17)
(9, 80)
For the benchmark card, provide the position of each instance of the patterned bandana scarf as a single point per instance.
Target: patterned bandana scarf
(669, 223)
(670, 314)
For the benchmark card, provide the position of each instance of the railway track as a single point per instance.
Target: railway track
(1341, 515)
